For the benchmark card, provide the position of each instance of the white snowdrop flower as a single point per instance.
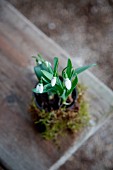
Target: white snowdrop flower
(39, 62)
(67, 83)
(39, 88)
(47, 63)
(53, 81)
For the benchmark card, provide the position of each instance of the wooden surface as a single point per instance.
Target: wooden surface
(21, 147)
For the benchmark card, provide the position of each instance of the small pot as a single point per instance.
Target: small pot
(44, 103)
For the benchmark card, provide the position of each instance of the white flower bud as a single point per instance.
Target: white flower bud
(39, 62)
(47, 63)
(67, 83)
(39, 88)
(53, 81)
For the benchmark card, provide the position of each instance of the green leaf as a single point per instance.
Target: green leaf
(63, 94)
(72, 74)
(74, 83)
(47, 87)
(50, 69)
(51, 90)
(38, 72)
(40, 57)
(45, 80)
(38, 69)
(69, 68)
(63, 71)
(34, 90)
(55, 64)
(36, 59)
(47, 74)
(81, 69)
(58, 88)
(59, 82)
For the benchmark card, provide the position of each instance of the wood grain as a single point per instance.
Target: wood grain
(21, 147)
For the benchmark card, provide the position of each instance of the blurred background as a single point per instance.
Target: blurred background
(84, 28)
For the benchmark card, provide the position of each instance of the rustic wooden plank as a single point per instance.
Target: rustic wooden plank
(20, 145)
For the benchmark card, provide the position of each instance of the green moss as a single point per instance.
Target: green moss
(62, 121)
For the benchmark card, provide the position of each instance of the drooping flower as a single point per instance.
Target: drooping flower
(39, 62)
(39, 88)
(67, 83)
(53, 81)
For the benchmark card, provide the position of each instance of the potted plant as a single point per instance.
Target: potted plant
(58, 105)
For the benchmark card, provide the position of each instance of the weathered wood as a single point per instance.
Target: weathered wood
(21, 147)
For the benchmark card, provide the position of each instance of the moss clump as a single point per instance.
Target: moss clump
(59, 122)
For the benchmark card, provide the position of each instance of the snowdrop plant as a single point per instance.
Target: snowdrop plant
(52, 82)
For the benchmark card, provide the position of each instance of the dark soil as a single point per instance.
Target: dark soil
(43, 101)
